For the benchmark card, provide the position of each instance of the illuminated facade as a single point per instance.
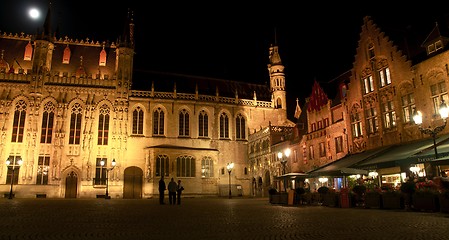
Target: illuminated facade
(67, 105)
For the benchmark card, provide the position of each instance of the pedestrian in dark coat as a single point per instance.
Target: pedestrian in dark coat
(162, 188)
(179, 191)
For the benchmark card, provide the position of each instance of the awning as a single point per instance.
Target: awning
(397, 155)
(344, 166)
(428, 155)
(293, 176)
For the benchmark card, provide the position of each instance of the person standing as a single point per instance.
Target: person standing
(179, 192)
(162, 188)
(172, 187)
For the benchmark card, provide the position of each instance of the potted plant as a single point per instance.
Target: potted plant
(425, 198)
(392, 198)
(359, 191)
(373, 198)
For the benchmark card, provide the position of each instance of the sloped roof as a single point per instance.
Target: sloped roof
(165, 82)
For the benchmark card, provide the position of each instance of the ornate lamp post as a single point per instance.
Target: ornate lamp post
(113, 163)
(283, 162)
(15, 164)
(417, 118)
(230, 166)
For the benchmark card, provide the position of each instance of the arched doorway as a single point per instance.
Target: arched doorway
(71, 185)
(132, 183)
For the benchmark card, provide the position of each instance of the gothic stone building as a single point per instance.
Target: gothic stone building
(66, 106)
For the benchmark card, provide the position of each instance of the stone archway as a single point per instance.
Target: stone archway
(132, 182)
(71, 185)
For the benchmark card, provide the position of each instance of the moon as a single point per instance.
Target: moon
(34, 13)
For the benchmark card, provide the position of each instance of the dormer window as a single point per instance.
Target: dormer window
(102, 58)
(66, 56)
(28, 52)
(434, 47)
(438, 45)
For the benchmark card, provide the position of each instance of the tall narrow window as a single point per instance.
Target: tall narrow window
(103, 55)
(389, 114)
(103, 125)
(158, 122)
(408, 104)
(240, 127)
(42, 170)
(203, 124)
(28, 52)
(48, 117)
(356, 125)
(19, 122)
(322, 149)
(339, 144)
(100, 172)
(311, 153)
(16, 166)
(185, 166)
(439, 93)
(138, 121)
(224, 126)
(184, 123)
(371, 120)
(368, 85)
(384, 77)
(75, 124)
(162, 167)
(207, 167)
(66, 55)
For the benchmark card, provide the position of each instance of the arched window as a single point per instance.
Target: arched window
(138, 121)
(203, 124)
(158, 122)
(184, 130)
(185, 166)
(75, 124)
(240, 127)
(103, 125)
(48, 117)
(19, 122)
(162, 165)
(207, 167)
(224, 125)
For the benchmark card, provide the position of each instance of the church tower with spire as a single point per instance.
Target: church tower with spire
(277, 78)
(125, 56)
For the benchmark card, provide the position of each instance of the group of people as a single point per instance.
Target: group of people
(174, 191)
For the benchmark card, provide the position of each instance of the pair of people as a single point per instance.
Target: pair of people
(173, 190)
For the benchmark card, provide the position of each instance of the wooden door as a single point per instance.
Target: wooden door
(132, 183)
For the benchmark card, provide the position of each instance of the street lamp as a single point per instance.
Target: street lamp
(284, 161)
(417, 118)
(230, 166)
(113, 163)
(13, 164)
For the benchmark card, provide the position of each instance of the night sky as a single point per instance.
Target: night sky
(226, 40)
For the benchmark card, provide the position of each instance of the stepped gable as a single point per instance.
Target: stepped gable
(409, 37)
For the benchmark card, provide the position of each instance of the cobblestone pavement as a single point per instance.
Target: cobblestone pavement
(208, 218)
